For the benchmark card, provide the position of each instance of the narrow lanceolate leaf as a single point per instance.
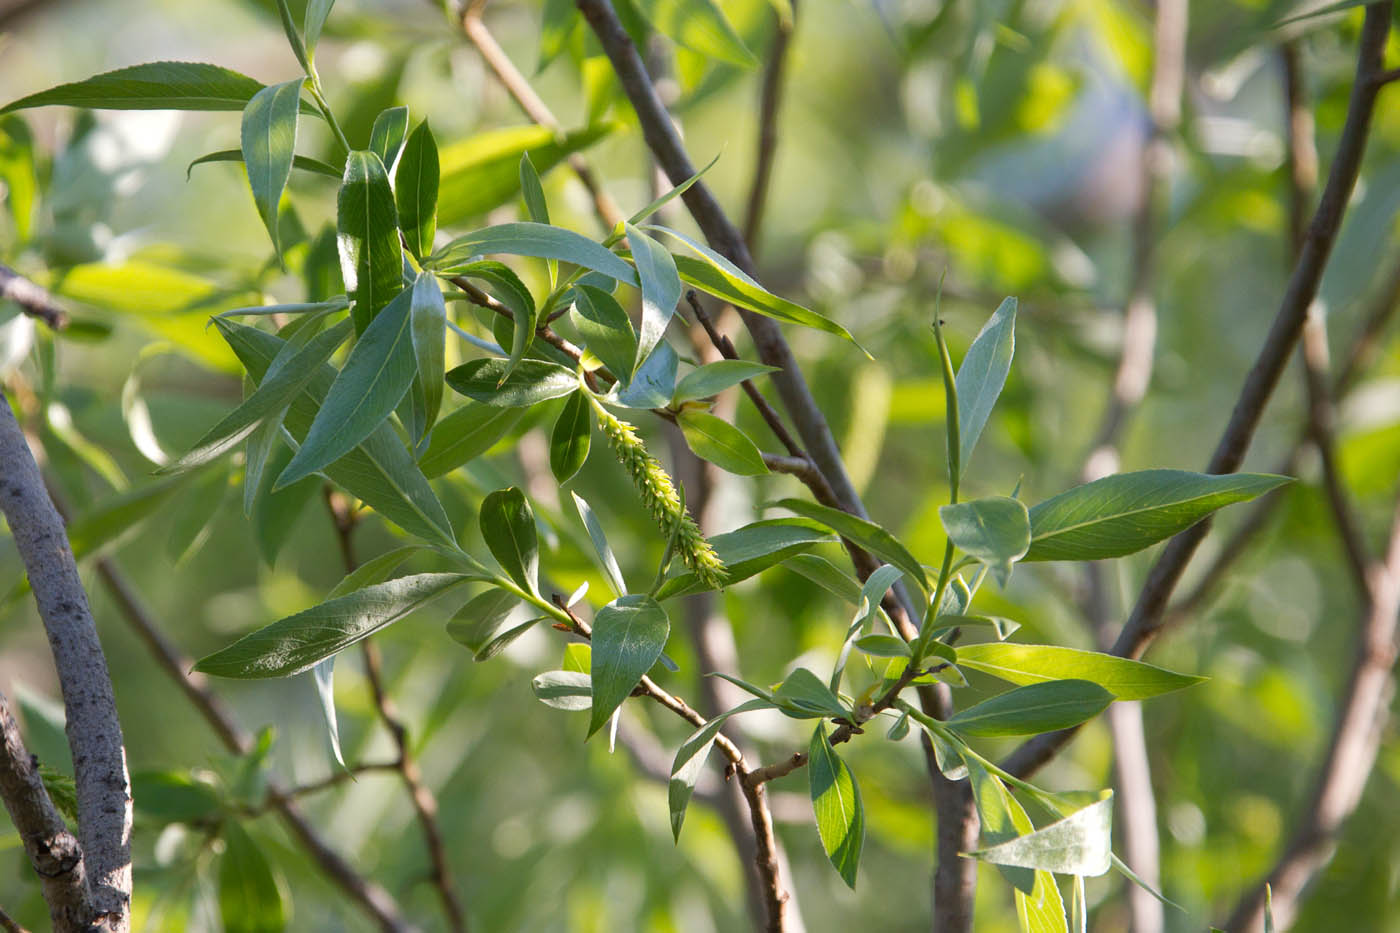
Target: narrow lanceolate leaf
(376, 375)
(606, 330)
(1031, 710)
(416, 190)
(380, 472)
(270, 398)
(718, 276)
(483, 171)
(994, 809)
(289, 27)
(571, 691)
(530, 383)
(716, 440)
(698, 25)
(508, 527)
(690, 761)
(304, 163)
(867, 534)
(653, 382)
(429, 332)
(629, 634)
(367, 235)
(713, 378)
(532, 239)
(571, 438)
(661, 289)
(533, 191)
(606, 559)
(387, 135)
(1079, 844)
(152, 86)
(995, 530)
(324, 676)
(1127, 512)
(750, 550)
(477, 621)
(836, 804)
(298, 642)
(249, 899)
(465, 434)
(982, 376)
(1031, 664)
(802, 695)
(316, 13)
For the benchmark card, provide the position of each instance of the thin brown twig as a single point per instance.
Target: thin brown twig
(1147, 619)
(32, 299)
(425, 805)
(769, 108)
(10, 924)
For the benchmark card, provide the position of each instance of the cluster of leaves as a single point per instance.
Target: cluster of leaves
(375, 421)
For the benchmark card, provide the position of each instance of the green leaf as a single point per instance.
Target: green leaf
(416, 190)
(386, 137)
(275, 514)
(1077, 845)
(802, 695)
(500, 642)
(864, 533)
(995, 530)
(570, 691)
(661, 201)
(429, 332)
(477, 621)
(836, 804)
(716, 440)
(556, 23)
(483, 171)
(606, 559)
(661, 290)
(532, 239)
(375, 570)
(376, 375)
(531, 382)
(465, 434)
(305, 163)
(508, 527)
(606, 330)
(323, 675)
(173, 797)
(380, 472)
(1003, 628)
(749, 550)
(628, 636)
(700, 26)
(652, 383)
(296, 643)
(316, 13)
(826, 575)
(690, 761)
(718, 276)
(249, 899)
(19, 174)
(982, 376)
(1031, 710)
(533, 191)
(151, 86)
(571, 438)
(371, 260)
(195, 512)
(997, 810)
(883, 646)
(1127, 512)
(1030, 664)
(110, 518)
(714, 378)
(270, 398)
(293, 37)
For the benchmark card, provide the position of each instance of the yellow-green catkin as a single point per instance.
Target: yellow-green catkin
(661, 499)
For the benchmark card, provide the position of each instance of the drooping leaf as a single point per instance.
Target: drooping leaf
(1127, 512)
(151, 86)
(714, 378)
(571, 438)
(416, 190)
(371, 260)
(661, 289)
(532, 239)
(690, 761)
(508, 527)
(629, 634)
(477, 621)
(500, 641)
(323, 674)
(837, 806)
(1076, 845)
(982, 376)
(864, 533)
(570, 691)
(465, 434)
(305, 163)
(750, 550)
(994, 809)
(716, 440)
(531, 382)
(1033, 709)
(249, 899)
(375, 376)
(606, 330)
(386, 137)
(296, 643)
(606, 559)
(995, 530)
(700, 26)
(1029, 664)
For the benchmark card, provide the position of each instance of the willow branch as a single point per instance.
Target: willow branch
(1148, 614)
(53, 851)
(32, 299)
(94, 730)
